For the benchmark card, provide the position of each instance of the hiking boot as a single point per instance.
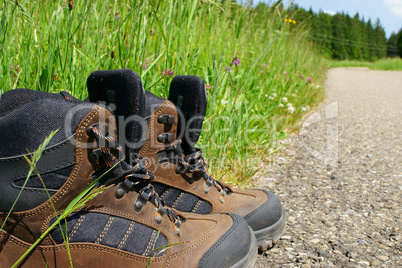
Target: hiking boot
(181, 178)
(123, 225)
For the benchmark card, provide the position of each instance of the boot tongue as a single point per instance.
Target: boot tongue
(188, 94)
(122, 90)
(151, 103)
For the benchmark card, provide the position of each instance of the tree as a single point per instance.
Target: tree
(400, 44)
(392, 45)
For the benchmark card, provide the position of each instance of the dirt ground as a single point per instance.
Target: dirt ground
(340, 177)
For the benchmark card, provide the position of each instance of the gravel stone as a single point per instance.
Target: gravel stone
(340, 177)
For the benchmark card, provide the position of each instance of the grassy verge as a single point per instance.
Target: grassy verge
(51, 45)
(394, 64)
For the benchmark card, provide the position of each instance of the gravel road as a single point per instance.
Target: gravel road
(340, 177)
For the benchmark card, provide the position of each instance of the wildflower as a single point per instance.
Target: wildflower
(17, 68)
(274, 94)
(210, 37)
(309, 79)
(291, 109)
(144, 65)
(290, 20)
(207, 86)
(302, 76)
(262, 72)
(228, 68)
(116, 17)
(289, 105)
(271, 97)
(284, 99)
(266, 95)
(223, 102)
(280, 105)
(264, 65)
(304, 109)
(294, 95)
(307, 107)
(168, 72)
(236, 61)
(151, 32)
(285, 73)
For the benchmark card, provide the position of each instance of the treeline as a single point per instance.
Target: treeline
(341, 36)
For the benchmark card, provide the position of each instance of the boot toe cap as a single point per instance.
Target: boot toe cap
(236, 248)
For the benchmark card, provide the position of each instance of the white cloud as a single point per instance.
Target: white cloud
(395, 6)
(330, 12)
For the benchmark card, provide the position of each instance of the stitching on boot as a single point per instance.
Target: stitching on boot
(130, 228)
(105, 229)
(76, 226)
(196, 206)
(177, 200)
(150, 243)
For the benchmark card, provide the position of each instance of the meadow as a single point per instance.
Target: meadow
(261, 72)
(389, 64)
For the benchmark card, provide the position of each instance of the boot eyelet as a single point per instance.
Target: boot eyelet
(176, 227)
(158, 218)
(206, 188)
(165, 119)
(138, 205)
(119, 193)
(221, 199)
(165, 137)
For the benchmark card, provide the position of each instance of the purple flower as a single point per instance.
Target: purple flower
(151, 32)
(168, 72)
(228, 68)
(262, 72)
(207, 86)
(116, 17)
(309, 79)
(285, 73)
(236, 61)
(264, 65)
(302, 76)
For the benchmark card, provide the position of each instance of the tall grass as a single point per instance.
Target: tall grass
(45, 45)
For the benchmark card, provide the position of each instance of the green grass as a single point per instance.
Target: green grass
(46, 46)
(394, 64)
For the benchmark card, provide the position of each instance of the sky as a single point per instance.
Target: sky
(388, 11)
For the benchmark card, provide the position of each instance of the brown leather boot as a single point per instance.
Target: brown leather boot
(181, 178)
(120, 227)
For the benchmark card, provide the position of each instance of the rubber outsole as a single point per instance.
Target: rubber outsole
(251, 257)
(268, 237)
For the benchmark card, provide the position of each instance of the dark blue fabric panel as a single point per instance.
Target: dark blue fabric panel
(27, 126)
(159, 188)
(53, 181)
(116, 232)
(90, 228)
(171, 196)
(138, 240)
(187, 202)
(56, 232)
(204, 208)
(162, 241)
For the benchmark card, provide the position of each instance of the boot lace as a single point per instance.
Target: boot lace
(193, 163)
(129, 177)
